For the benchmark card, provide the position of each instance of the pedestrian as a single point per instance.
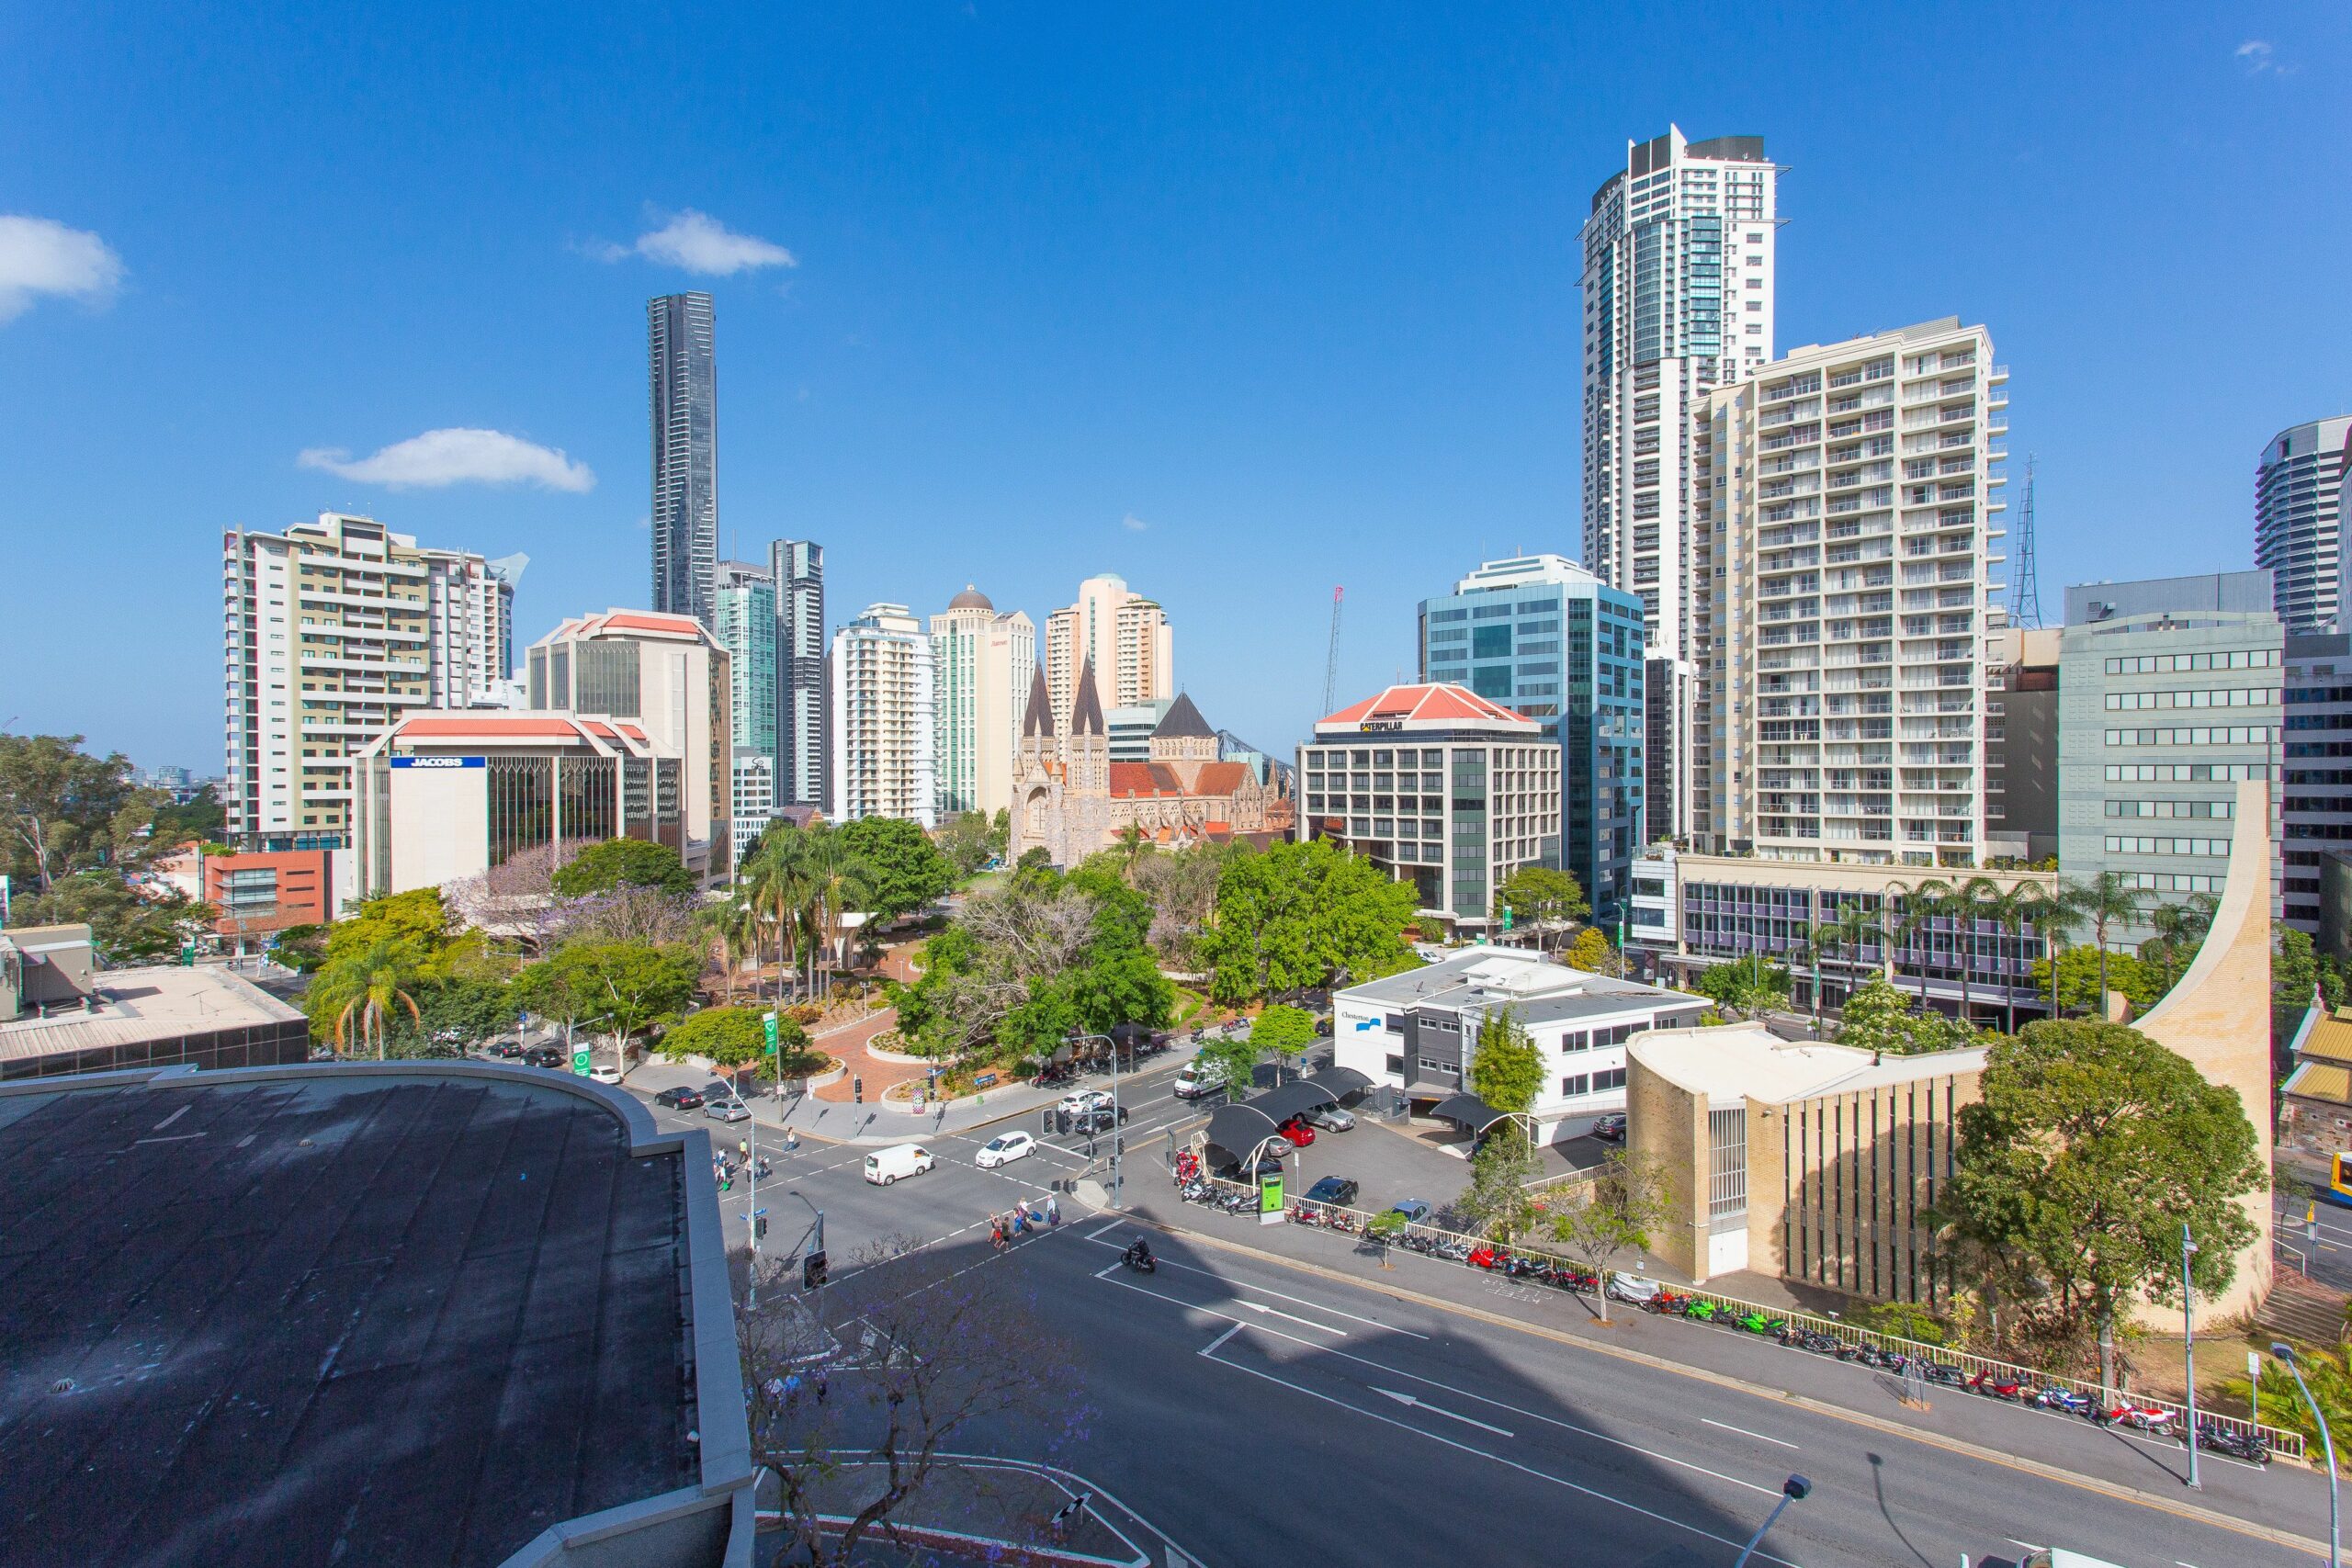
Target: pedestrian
(792, 1391)
(996, 1233)
(775, 1389)
(1053, 1210)
(822, 1388)
(743, 1148)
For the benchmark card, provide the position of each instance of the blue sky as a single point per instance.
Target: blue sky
(1237, 302)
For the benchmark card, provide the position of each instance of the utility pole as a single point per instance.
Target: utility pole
(2189, 1329)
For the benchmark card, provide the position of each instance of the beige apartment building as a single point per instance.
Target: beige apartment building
(1849, 494)
(983, 664)
(333, 630)
(1124, 636)
(885, 721)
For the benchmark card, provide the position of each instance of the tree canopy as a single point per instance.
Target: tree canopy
(1591, 952)
(2133, 978)
(1535, 894)
(1743, 986)
(1628, 1198)
(2091, 1146)
(970, 841)
(1285, 1030)
(905, 870)
(130, 924)
(1506, 1067)
(62, 810)
(616, 862)
(731, 1037)
(1296, 916)
(1877, 1017)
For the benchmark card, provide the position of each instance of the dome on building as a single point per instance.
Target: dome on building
(971, 599)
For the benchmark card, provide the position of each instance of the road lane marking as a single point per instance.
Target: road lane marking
(1263, 1290)
(1744, 1432)
(1417, 1403)
(1220, 1340)
(1498, 1458)
(1263, 1309)
(174, 1138)
(1206, 1311)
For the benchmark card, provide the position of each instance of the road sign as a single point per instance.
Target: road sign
(1507, 917)
(770, 1022)
(580, 1060)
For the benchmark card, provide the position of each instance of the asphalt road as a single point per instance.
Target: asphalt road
(2324, 1241)
(1263, 1416)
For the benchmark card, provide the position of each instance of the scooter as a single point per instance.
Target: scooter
(1993, 1386)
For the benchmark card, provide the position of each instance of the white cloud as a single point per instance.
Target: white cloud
(2256, 57)
(1133, 523)
(40, 255)
(698, 242)
(441, 458)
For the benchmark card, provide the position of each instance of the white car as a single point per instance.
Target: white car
(604, 1074)
(1085, 1099)
(1004, 1148)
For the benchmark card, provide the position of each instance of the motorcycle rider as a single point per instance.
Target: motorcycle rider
(1138, 1255)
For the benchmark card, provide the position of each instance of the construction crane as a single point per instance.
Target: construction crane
(1331, 662)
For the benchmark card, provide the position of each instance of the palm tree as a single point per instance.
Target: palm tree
(2058, 921)
(1968, 901)
(378, 977)
(1133, 841)
(735, 929)
(2180, 930)
(778, 892)
(2106, 900)
(834, 880)
(1920, 906)
(2011, 910)
(1853, 927)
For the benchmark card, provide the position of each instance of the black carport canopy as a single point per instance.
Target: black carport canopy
(1295, 1098)
(1341, 1081)
(1239, 1129)
(1470, 1113)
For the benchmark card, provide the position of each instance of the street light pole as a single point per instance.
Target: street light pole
(1118, 1140)
(752, 1200)
(2188, 1333)
(1791, 1490)
(2285, 1353)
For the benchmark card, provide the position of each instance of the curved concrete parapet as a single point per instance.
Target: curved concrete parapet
(2218, 1017)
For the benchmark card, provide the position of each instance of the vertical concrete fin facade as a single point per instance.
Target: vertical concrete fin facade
(2219, 1018)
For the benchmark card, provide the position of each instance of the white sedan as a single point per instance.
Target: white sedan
(1004, 1148)
(1085, 1099)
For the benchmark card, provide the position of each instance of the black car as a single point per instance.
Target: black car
(1611, 1129)
(1095, 1120)
(545, 1056)
(1333, 1190)
(679, 1098)
(507, 1050)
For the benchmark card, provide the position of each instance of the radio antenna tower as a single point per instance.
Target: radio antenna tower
(2024, 597)
(1331, 661)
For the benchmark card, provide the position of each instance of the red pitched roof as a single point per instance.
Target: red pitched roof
(652, 621)
(1427, 705)
(1221, 778)
(1133, 779)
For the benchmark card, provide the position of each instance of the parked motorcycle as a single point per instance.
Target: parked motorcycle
(2248, 1446)
(1996, 1385)
(2140, 1418)
(2065, 1400)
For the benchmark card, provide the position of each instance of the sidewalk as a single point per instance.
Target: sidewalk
(831, 1118)
(979, 1509)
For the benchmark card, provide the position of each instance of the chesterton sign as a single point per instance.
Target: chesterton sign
(440, 761)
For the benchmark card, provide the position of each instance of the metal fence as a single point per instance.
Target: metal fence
(1440, 1242)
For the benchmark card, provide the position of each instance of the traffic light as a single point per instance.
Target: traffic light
(812, 1270)
(857, 1089)
(759, 1227)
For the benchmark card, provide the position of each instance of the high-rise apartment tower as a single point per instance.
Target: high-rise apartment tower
(983, 664)
(804, 714)
(684, 368)
(744, 623)
(2298, 531)
(884, 724)
(1844, 550)
(1122, 634)
(1678, 301)
(334, 629)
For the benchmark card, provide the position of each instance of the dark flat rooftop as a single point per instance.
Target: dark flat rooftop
(335, 1319)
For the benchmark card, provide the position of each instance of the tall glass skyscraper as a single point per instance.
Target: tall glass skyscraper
(804, 735)
(743, 620)
(2298, 522)
(685, 405)
(1550, 640)
(1678, 301)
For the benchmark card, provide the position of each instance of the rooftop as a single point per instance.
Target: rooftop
(1425, 707)
(321, 1315)
(138, 1005)
(1732, 1063)
(1480, 978)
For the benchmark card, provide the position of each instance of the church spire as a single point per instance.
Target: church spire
(1039, 720)
(1086, 707)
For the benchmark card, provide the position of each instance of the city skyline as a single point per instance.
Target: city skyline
(860, 393)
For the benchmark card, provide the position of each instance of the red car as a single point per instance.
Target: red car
(1297, 1132)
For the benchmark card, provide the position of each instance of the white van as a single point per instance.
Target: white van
(2059, 1557)
(885, 1165)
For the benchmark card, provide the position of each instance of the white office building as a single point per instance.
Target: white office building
(1678, 301)
(1849, 524)
(884, 727)
(1417, 1031)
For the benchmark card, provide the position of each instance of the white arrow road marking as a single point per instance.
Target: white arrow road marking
(1424, 1405)
(1263, 1310)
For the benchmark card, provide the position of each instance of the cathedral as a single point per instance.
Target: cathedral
(1070, 799)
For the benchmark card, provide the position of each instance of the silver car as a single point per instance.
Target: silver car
(1330, 1119)
(727, 1110)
